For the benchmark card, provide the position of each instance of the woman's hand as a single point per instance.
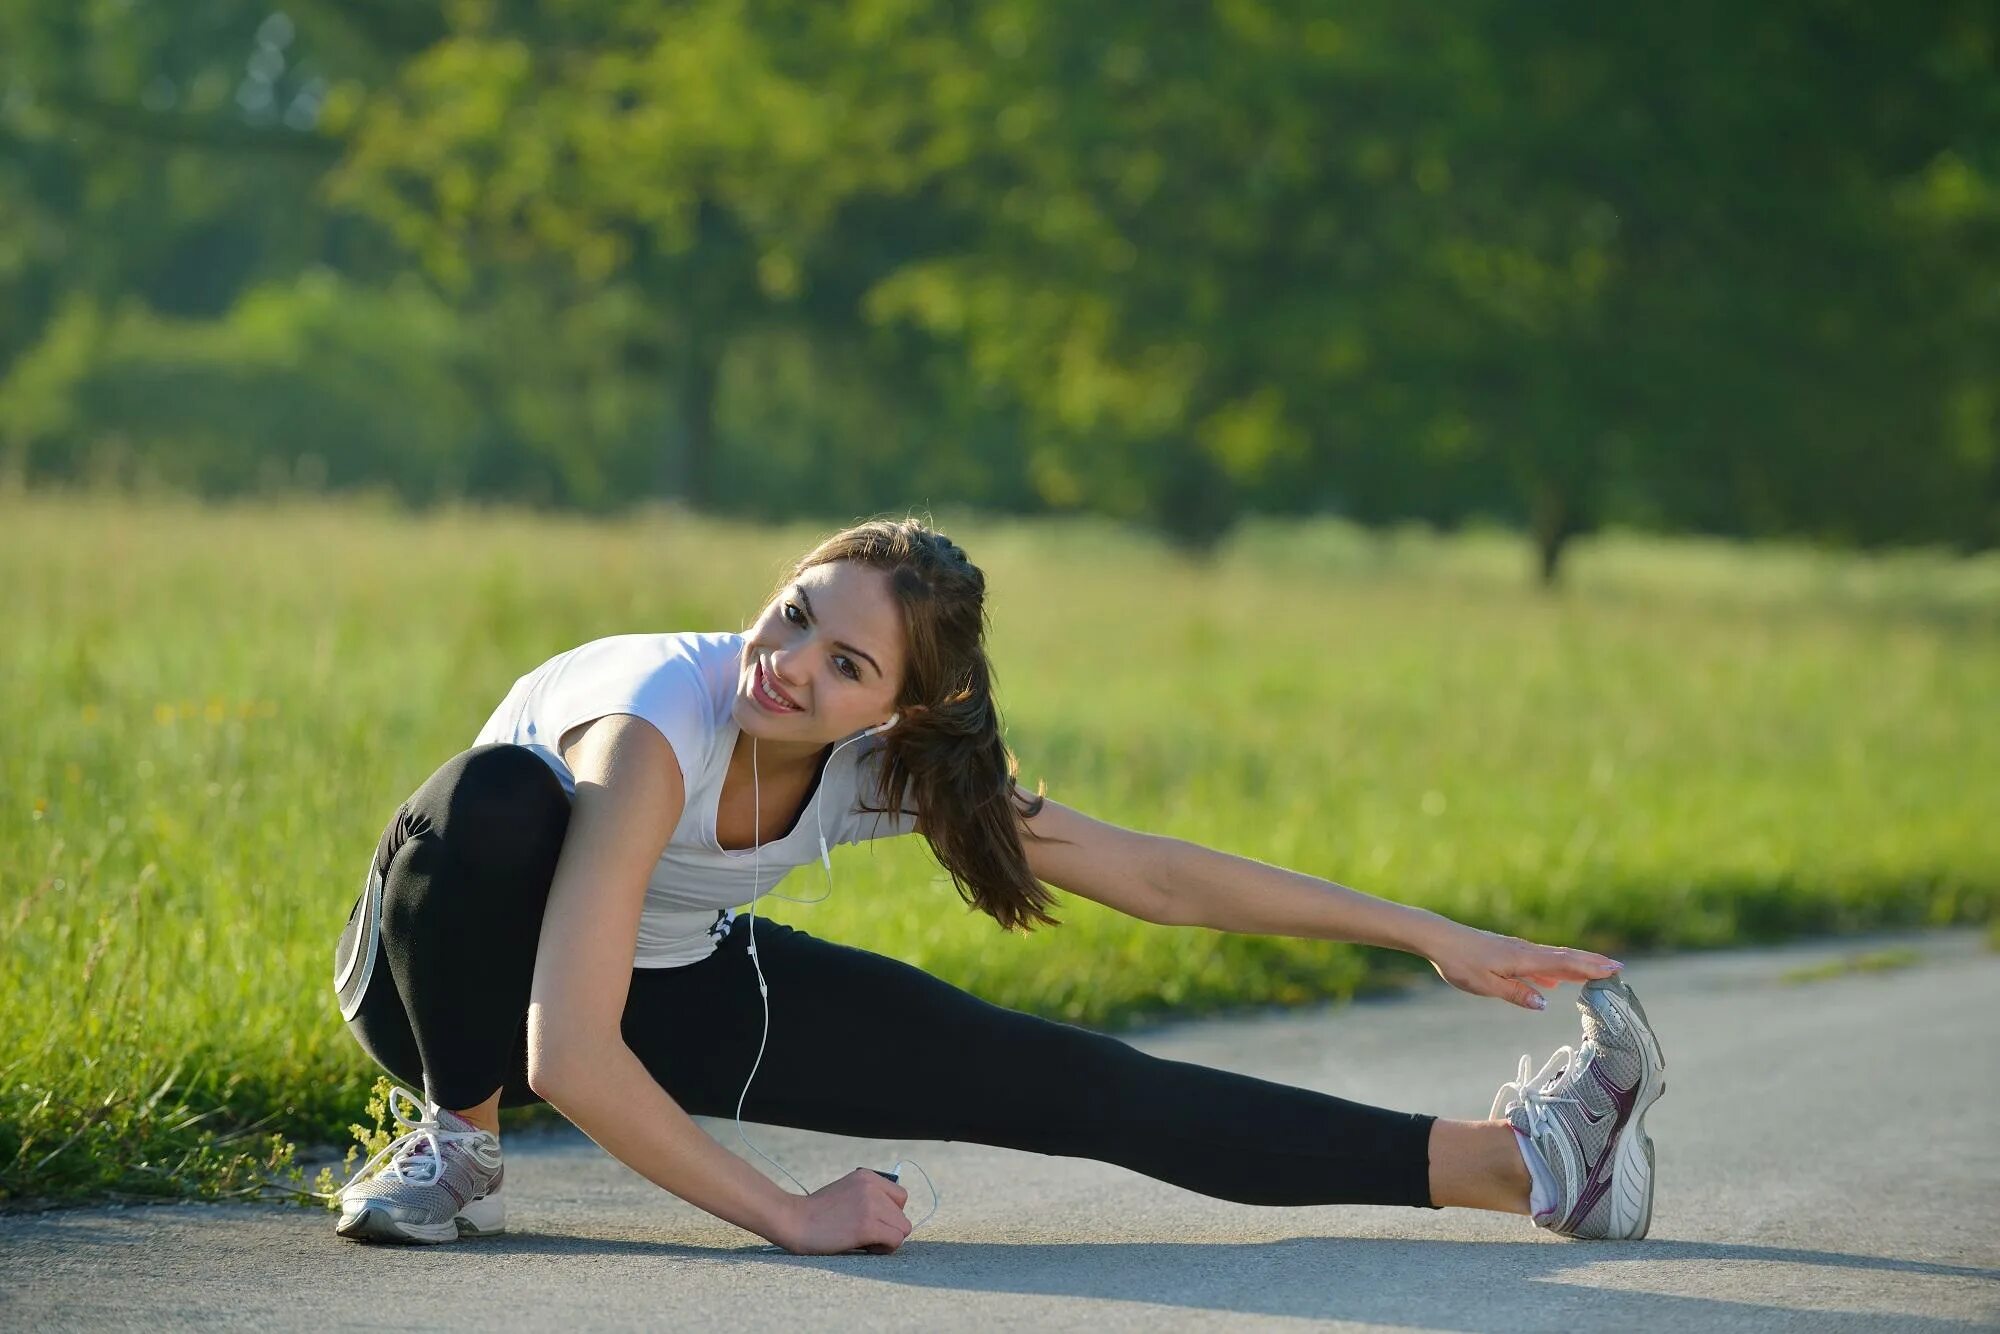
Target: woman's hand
(1509, 968)
(860, 1211)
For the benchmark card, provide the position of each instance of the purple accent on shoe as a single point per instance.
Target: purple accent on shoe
(453, 1191)
(1602, 1170)
(1593, 1191)
(1622, 1097)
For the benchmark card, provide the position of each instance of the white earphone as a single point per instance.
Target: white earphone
(763, 990)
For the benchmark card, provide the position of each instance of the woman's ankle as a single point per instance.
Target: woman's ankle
(486, 1115)
(1478, 1165)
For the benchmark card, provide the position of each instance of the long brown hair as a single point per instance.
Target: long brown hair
(946, 748)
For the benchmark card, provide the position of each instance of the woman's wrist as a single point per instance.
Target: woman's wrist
(779, 1224)
(1425, 932)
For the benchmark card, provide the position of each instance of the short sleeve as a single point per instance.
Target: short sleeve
(675, 701)
(657, 679)
(861, 826)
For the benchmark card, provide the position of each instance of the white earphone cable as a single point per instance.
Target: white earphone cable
(819, 822)
(763, 989)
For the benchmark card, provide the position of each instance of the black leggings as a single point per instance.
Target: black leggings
(465, 867)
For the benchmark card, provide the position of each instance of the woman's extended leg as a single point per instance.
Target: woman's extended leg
(464, 871)
(996, 1076)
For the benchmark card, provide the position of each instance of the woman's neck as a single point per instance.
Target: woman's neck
(776, 763)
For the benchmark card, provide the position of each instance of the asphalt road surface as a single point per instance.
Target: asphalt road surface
(1828, 1160)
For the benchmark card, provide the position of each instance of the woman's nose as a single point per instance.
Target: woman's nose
(789, 663)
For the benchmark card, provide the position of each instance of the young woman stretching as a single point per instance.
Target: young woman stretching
(549, 917)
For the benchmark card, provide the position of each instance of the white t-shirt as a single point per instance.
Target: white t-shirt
(683, 684)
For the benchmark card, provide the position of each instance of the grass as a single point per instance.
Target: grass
(1870, 961)
(217, 709)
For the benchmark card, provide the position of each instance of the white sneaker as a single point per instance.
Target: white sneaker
(1583, 1112)
(441, 1181)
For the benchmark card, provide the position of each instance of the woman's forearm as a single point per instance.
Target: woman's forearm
(611, 1096)
(1226, 892)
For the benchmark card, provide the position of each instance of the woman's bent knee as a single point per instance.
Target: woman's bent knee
(496, 804)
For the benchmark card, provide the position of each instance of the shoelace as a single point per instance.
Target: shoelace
(419, 1148)
(1531, 1091)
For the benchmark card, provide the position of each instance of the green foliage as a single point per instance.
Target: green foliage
(1690, 268)
(361, 386)
(1697, 745)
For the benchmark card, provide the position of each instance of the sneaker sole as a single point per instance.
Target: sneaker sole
(483, 1217)
(1632, 1170)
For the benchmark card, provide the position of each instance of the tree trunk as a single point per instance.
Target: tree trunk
(1548, 552)
(698, 425)
(1554, 522)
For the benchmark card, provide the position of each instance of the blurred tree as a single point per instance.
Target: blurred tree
(165, 158)
(708, 157)
(1702, 267)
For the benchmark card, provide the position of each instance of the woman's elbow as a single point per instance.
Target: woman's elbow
(560, 1058)
(544, 1079)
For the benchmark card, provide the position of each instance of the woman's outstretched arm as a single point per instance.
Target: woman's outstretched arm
(1177, 882)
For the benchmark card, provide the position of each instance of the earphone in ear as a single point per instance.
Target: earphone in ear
(892, 720)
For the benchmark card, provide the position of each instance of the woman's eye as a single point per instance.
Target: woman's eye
(791, 607)
(848, 669)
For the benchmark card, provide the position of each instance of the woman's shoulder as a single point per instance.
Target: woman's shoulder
(664, 658)
(681, 681)
(698, 646)
(675, 667)
(867, 816)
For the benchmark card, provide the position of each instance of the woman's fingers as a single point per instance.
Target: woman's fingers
(892, 1225)
(1518, 971)
(1551, 966)
(895, 1229)
(1550, 961)
(869, 1210)
(885, 1237)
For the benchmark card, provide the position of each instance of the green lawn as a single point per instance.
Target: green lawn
(216, 710)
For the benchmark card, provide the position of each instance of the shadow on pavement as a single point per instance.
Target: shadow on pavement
(1429, 1284)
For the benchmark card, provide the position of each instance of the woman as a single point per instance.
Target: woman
(548, 918)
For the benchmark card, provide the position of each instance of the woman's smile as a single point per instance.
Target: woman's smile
(768, 695)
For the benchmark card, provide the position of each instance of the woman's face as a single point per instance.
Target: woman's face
(832, 643)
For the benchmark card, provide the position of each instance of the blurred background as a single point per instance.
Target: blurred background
(1540, 462)
(1557, 267)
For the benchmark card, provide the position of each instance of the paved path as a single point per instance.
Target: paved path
(1828, 1161)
